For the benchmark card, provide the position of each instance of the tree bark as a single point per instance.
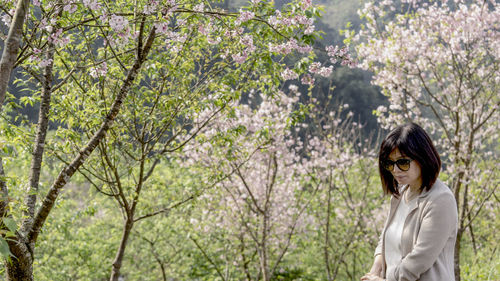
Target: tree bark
(456, 257)
(20, 267)
(457, 188)
(11, 47)
(38, 149)
(327, 234)
(263, 250)
(117, 263)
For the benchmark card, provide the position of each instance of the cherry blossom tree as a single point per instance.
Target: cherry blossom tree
(260, 205)
(99, 69)
(343, 162)
(278, 167)
(438, 64)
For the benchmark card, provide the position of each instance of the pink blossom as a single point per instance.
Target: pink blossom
(199, 8)
(71, 8)
(240, 57)
(342, 52)
(332, 50)
(307, 80)
(57, 39)
(284, 48)
(161, 27)
(247, 40)
(204, 29)
(302, 19)
(289, 74)
(151, 7)
(309, 29)
(45, 62)
(274, 21)
(307, 22)
(306, 3)
(99, 71)
(177, 36)
(314, 67)
(118, 23)
(92, 4)
(215, 41)
(288, 21)
(6, 18)
(244, 16)
(305, 49)
(325, 71)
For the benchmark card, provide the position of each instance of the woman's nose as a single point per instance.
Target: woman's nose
(396, 168)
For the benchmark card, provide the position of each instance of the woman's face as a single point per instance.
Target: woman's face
(413, 176)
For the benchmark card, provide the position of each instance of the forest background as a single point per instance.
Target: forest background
(238, 171)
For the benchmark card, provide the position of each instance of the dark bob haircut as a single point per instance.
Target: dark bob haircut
(413, 142)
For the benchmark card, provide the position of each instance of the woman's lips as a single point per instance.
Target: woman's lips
(399, 178)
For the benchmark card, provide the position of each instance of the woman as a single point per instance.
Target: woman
(418, 239)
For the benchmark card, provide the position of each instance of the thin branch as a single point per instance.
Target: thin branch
(208, 258)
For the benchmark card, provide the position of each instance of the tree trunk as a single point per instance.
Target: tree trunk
(263, 251)
(456, 257)
(117, 263)
(38, 149)
(457, 188)
(19, 267)
(11, 47)
(327, 234)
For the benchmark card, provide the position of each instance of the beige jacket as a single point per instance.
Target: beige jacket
(428, 238)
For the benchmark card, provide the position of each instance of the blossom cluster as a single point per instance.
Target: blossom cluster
(92, 4)
(244, 16)
(279, 20)
(99, 71)
(288, 47)
(118, 23)
(7, 17)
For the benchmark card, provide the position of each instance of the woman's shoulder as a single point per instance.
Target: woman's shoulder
(440, 200)
(438, 190)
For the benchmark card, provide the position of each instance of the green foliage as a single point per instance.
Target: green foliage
(79, 239)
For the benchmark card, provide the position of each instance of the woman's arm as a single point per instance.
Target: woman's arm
(375, 273)
(377, 266)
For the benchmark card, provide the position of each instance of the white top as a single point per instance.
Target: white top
(393, 234)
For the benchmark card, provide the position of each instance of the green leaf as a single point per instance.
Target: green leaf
(4, 248)
(10, 223)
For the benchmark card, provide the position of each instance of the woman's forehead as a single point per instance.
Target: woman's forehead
(395, 154)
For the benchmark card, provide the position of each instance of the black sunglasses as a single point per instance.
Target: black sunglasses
(403, 164)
